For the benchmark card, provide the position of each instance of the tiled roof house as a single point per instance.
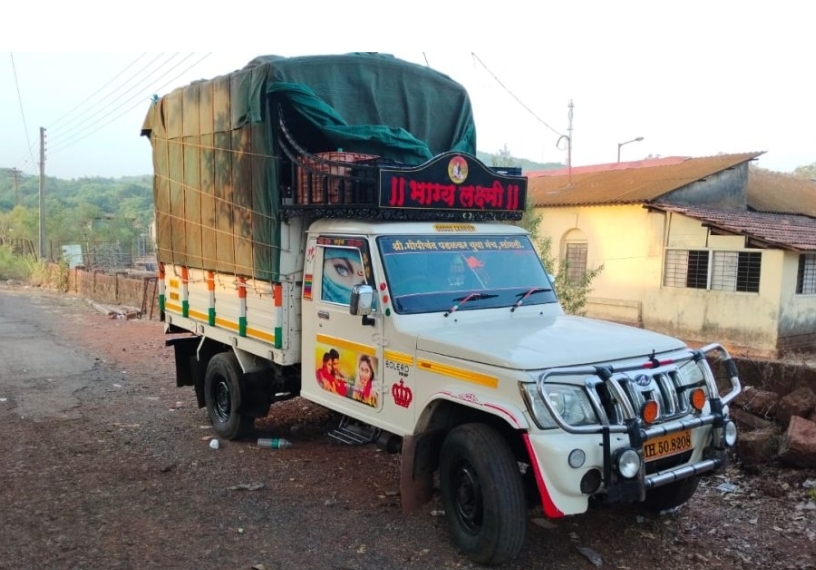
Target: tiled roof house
(704, 248)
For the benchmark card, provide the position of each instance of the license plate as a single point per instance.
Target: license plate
(667, 445)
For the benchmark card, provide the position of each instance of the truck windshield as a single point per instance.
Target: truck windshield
(429, 273)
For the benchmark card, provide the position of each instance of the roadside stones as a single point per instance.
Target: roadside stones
(761, 403)
(800, 403)
(798, 447)
(760, 414)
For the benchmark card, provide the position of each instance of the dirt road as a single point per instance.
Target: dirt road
(104, 463)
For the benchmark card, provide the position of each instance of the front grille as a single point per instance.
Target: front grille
(665, 386)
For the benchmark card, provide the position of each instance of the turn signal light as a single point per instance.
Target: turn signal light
(697, 399)
(650, 411)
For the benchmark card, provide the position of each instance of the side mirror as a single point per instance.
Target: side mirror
(362, 300)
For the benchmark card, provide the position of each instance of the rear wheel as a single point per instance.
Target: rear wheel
(483, 494)
(222, 396)
(671, 495)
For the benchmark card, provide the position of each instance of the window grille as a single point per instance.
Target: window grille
(730, 270)
(806, 277)
(686, 268)
(736, 271)
(576, 256)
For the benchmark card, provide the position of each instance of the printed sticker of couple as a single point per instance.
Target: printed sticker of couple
(330, 377)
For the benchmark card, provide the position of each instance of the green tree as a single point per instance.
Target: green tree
(504, 158)
(572, 292)
(24, 223)
(90, 210)
(807, 172)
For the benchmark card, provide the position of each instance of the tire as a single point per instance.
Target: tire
(671, 495)
(222, 396)
(483, 494)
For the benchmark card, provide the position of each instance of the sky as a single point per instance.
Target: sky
(697, 78)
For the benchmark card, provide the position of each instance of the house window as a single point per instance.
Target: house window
(576, 256)
(736, 271)
(728, 270)
(686, 268)
(806, 278)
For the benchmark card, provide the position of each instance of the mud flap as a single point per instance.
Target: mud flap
(185, 352)
(418, 463)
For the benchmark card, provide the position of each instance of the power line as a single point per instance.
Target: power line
(513, 95)
(25, 160)
(97, 109)
(99, 90)
(87, 125)
(22, 112)
(68, 144)
(100, 110)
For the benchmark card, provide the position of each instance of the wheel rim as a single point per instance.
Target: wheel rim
(223, 401)
(467, 496)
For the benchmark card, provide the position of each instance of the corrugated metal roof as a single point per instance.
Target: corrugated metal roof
(786, 231)
(782, 193)
(629, 185)
(608, 166)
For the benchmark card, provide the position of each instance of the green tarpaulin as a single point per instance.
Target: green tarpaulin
(216, 158)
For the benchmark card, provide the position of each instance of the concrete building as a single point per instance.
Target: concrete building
(706, 249)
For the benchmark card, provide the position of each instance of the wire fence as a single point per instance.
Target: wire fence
(111, 257)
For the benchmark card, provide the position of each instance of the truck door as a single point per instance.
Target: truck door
(342, 358)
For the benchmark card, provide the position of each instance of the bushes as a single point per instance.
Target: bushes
(37, 272)
(13, 266)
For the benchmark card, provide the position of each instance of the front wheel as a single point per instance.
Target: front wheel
(222, 395)
(483, 494)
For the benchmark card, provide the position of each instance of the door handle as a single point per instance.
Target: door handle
(323, 315)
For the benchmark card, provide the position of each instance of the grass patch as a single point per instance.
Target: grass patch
(13, 266)
(33, 271)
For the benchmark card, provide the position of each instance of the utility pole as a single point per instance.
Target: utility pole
(569, 136)
(42, 192)
(16, 174)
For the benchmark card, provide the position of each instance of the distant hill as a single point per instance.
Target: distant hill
(491, 159)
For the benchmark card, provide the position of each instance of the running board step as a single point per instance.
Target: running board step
(352, 432)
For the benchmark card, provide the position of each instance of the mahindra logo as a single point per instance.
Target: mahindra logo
(643, 380)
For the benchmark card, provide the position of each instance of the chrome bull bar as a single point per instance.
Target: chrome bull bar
(611, 376)
(683, 472)
(639, 433)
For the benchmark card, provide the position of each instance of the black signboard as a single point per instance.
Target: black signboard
(455, 182)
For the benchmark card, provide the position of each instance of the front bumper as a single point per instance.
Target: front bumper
(708, 453)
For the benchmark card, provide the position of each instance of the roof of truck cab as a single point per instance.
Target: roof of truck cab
(373, 227)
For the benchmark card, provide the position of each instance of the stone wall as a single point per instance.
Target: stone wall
(133, 290)
(779, 376)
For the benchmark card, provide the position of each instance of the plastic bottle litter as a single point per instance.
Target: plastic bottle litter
(214, 444)
(274, 443)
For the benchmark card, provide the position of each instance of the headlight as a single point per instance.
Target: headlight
(627, 462)
(570, 402)
(730, 431)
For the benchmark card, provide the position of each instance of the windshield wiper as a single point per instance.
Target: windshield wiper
(523, 296)
(468, 298)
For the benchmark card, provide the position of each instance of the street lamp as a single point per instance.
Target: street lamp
(627, 142)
